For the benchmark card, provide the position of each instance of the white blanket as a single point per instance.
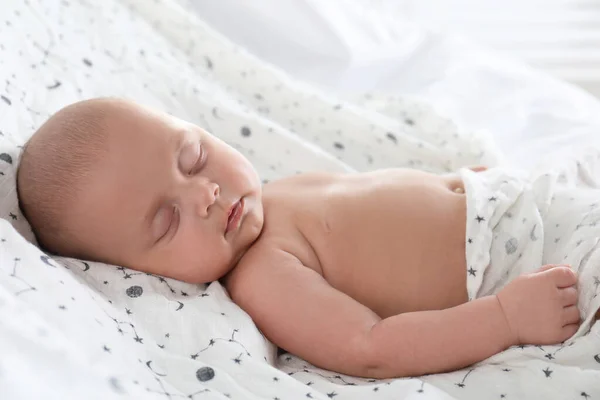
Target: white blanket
(72, 329)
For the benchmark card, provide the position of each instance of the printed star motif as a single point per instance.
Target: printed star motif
(493, 198)
(547, 372)
(127, 276)
(237, 360)
(472, 271)
(167, 335)
(62, 307)
(184, 293)
(375, 389)
(549, 356)
(13, 216)
(331, 395)
(106, 349)
(276, 379)
(506, 369)
(469, 240)
(162, 346)
(288, 358)
(479, 218)
(502, 396)
(194, 356)
(128, 311)
(460, 385)
(309, 395)
(309, 383)
(211, 342)
(139, 339)
(585, 395)
(204, 295)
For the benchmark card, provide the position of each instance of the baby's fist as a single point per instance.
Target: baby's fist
(541, 307)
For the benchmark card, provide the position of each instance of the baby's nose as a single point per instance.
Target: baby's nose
(205, 197)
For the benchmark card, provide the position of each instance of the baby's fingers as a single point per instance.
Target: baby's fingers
(550, 266)
(571, 315)
(569, 330)
(563, 276)
(568, 296)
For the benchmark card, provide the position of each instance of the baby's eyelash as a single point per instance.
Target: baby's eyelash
(173, 215)
(199, 162)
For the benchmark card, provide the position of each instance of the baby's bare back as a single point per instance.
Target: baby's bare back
(394, 240)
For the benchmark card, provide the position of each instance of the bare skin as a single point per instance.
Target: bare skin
(365, 274)
(391, 239)
(362, 274)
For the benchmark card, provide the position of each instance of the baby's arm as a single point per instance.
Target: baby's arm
(297, 309)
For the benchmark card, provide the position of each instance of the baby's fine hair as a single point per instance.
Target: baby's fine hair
(53, 169)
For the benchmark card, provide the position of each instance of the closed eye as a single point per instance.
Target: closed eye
(199, 161)
(167, 222)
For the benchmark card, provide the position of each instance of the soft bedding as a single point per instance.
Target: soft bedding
(76, 329)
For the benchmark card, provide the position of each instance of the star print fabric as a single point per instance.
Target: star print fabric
(517, 222)
(72, 329)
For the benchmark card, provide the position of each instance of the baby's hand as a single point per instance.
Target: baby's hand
(541, 307)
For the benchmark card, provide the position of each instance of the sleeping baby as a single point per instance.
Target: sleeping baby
(389, 273)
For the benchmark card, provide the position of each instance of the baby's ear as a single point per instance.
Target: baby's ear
(478, 168)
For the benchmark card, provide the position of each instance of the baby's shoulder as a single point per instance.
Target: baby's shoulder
(257, 268)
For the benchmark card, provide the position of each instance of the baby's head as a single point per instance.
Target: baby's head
(112, 181)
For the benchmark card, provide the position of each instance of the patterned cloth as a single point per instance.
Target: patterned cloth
(517, 223)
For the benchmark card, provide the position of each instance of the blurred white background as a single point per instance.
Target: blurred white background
(457, 55)
(558, 36)
(342, 43)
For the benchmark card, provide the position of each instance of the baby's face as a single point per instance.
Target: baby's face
(170, 199)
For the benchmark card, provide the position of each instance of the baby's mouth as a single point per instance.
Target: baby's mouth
(234, 216)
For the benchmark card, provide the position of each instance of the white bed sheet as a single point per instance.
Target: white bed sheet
(355, 46)
(71, 329)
